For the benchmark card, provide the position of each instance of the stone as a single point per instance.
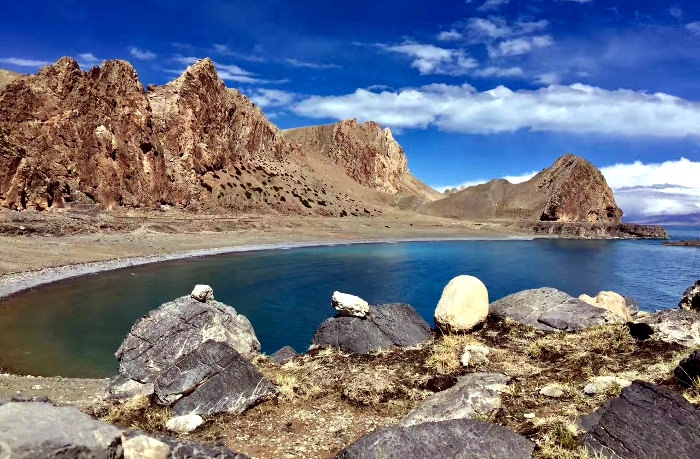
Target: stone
(214, 378)
(144, 447)
(601, 384)
(33, 430)
(688, 370)
(184, 449)
(349, 305)
(691, 298)
(178, 328)
(284, 355)
(474, 394)
(675, 326)
(385, 326)
(456, 438)
(202, 293)
(645, 421)
(123, 388)
(529, 415)
(550, 309)
(464, 305)
(552, 391)
(184, 424)
(632, 305)
(613, 302)
(474, 354)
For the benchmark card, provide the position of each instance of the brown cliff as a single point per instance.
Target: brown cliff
(571, 190)
(6, 77)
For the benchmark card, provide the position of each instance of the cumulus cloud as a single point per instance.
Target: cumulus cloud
(503, 72)
(511, 178)
(22, 62)
(271, 97)
(433, 60)
(492, 5)
(142, 54)
(577, 108)
(88, 60)
(449, 35)
(227, 72)
(519, 46)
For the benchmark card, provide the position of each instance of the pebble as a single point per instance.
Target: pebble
(529, 415)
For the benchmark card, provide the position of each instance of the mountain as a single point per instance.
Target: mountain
(571, 190)
(6, 77)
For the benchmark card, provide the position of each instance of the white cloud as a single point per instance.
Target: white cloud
(142, 54)
(492, 5)
(227, 72)
(433, 60)
(511, 178)
(519, 46)
(310, 65)
(548, 78)
(495, 28)
(520, 178)
(449, 35)
(21, 62)
(694, 27)
(271, 97)
(676, 12)
(86, 60)
(576, 108)
(503, 72)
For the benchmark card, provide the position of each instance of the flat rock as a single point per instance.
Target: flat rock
(676, 326)
(184, 424)
(691, 298)
(688, 370)
(385, 326)
(552, 391)
(550, 309)
(122, 388)
(473, 394)
(177, 328)
(283, 355)
(645, 421)
(456, 438)
(145, 447)
(33, 430)
(600, 384)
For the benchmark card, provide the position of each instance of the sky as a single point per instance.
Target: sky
(473, 90)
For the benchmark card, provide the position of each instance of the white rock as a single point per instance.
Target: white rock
(202, 293)
(602, 383)
(464, 304)
(613, 302)
(184, 424)
(552, 390)
(350, 305)
(474, 354)
(36, 387)
(144, 447)
(529, 415)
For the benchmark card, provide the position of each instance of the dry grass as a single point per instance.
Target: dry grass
(138, 413)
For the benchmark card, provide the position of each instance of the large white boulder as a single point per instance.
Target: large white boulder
(349, 305)
(464, 304)
(202, 293)
(611, 301)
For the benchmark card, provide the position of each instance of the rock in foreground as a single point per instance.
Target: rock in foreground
(613, 302)
(457, 438)
(464, 304)
(691, 298)
(675, 326)
(688, 370)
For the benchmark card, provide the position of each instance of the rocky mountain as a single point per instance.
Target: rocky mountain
(6, 77)
(571, 190)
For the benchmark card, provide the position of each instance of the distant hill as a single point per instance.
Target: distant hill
(6, 77)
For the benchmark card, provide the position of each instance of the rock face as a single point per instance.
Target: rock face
(457, 438)
(676, 326)
(691, 298)
(473, 394)
(613, 302)
(349, 305)
(550, 309)
(645, 421)
(283, 355)
(6, 77)
(385, 326)
(464, 304)
(571, 190)
(688, 370)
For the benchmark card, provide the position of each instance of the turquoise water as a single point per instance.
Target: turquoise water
(74, 327)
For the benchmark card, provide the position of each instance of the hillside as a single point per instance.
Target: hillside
(6, 77)
(571, 190)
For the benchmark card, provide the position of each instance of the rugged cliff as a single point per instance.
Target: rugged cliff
(571, 190)
(6, 77)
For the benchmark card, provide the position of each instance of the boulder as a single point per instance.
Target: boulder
(385, 326)
(144, 447)
(32, 430)
(214, 378)
(632, 305)
(675, 326)
(688, 370)
(611, 301)
(349, 305)
(178, 328)
(473, 394)
(464, 305)
(691, 298)
(550, 309)
(184, 449)
(122, 388)
(474, 354)
(184, 424)
(645, 421)
(456, 438)
(601, 384)
(552, 391)
(202, 293)
(283, 355)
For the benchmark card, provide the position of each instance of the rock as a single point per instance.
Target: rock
(184, 449)
(688, 370)
(122, 388)
(202, 293)
(550, 309)
(178, 328)
(213, 378)
(675, 326)
(473, 394)
(691, 298)
(474, 355)
(350, 305)
(385, 326)
(552, 391)
(632, 305)
(529, 415)
(456, 438)
(184, 424)
(640, 331)
(601, 384)
(464, 304)
(283, 355)
(143, 447)
(33, 430)
(645, 421)
(613, 302)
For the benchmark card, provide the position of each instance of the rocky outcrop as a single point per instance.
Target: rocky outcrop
(688, 370)
(463, 305)
(645, 421)
(457, 438)
(384, 326)
(7, 77)
(691, 298)
(571, 190)
(284, 355)
(582, 230)
(675, 326)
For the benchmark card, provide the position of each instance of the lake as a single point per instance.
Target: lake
(73, 328)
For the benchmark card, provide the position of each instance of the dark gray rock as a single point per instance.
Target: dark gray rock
(632, 305)
(688, 370)
(122, 388)
(214, 378)
(177, 328)
(384, 326)
(457, 438)
(34, 430)
(283, 355)
(645, 421)
(691, 298)
(551, 310)
(675, 326)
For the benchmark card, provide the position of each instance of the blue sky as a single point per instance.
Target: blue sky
(472, 89)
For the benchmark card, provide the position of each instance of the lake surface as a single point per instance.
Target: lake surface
(73, 328)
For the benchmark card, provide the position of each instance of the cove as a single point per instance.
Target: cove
(72, 328)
